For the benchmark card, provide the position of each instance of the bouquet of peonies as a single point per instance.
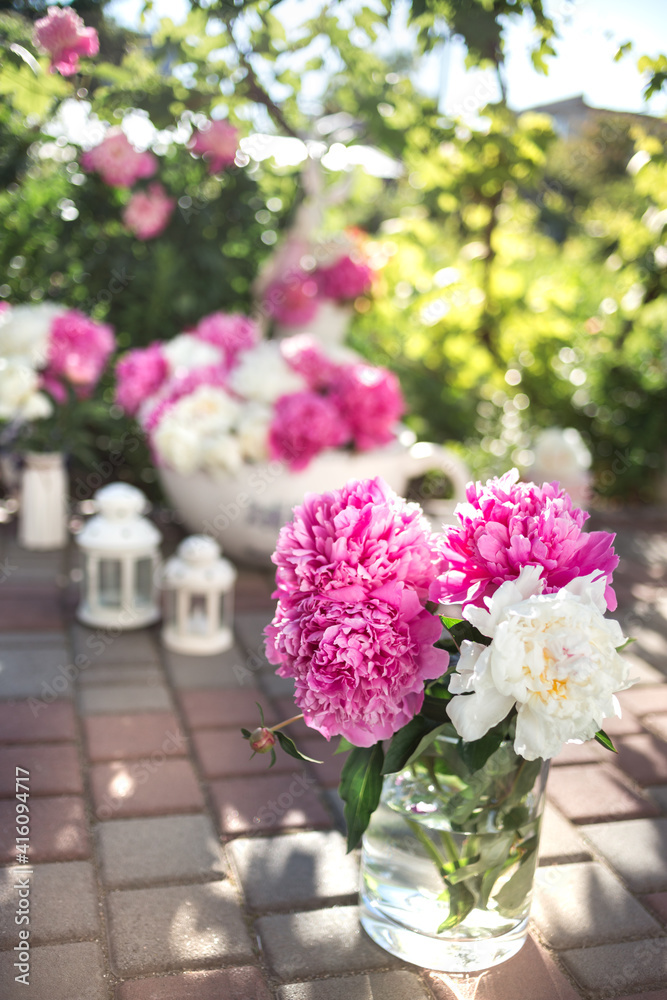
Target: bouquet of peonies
(532, 661)
(51, 359)
(218, 396)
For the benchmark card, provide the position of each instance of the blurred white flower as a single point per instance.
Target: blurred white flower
(24, 334)
(187, 352)
(19, 395)
(264, 376)
(253, 431)
(554, 656)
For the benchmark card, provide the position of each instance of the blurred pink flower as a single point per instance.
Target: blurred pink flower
(217, 143)
(231, 332)
(303, 354)
(63, 36)
(344, 280)
(139, 375)
(506, 525)
(4, 308)
(78, 350)
(303, 425)
(148, 212)
(292, 300)
(354, 569)
(117, 162)
(370, 402)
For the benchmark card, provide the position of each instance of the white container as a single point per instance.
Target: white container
(43, 507)
(121, 561)
(246, 511)
(199, 595)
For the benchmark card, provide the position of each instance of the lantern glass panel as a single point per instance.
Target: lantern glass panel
(224, 612)
(198, 616)
(109, 589)
(144, 588)
(169, 606)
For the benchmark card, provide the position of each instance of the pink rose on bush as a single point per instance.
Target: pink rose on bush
(63, 36)
(303, 425)
(117, 162)
(354, 568)
(344, 280)
(293, 300)
(139, 375)
(305, 356)
(370, 402)
(231, 332)
(217, 142)
(77, 353)
(148, 212)
(506, 525)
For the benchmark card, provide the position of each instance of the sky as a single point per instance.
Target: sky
(590, 33)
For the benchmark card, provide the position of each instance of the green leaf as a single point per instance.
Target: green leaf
(261, 713)
(427, 740)
(404, 743)
(246, 733)
(605, 741)
(450, 622)
(628, 642)
(511, 898)
(461, 902)
(344, 746)
(477, 753)
(360, 788)
(289, 746)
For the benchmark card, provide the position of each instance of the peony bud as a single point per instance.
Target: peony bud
(262, 740)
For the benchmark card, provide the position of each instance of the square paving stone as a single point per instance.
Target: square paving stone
(108, 646)
(59, 972)
(223, 753)
(560, 840)
(657, 903)
(579, 753)
(164, 849)
(54, 769)
(124, 674)
(644, 700)
(58, 830)
(531, 975)
(624, 966)
(637, 849)
(192, 926)
(34, 673)
(660, 995)
(118, 699)
(249, 627)
(225, 708)
(644, 758)
(384, 985)
(63, 903)
(231, 669)
(113, 737)
(294, 870)
(327, 772)
(34, 721)
(297, 945)
(21, 640)
(151, 786)
(581, 904)
(657, 723)
(39, 611)
(269, 802)
(589, 793)
(245, 983)
(658, 794)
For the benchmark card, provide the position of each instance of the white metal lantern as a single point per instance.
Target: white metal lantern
(199, 595)
(121, 561)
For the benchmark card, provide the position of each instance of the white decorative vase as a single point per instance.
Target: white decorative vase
(246, 511)
(43, 508)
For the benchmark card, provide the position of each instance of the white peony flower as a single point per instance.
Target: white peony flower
(208, 410)
(221, 455)
(253, 431)
(187, 352)
(197, 432)
(19, 395)
(264, 376)
(25, 332)
(554, 656)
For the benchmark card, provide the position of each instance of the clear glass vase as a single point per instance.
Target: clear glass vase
(449, 857)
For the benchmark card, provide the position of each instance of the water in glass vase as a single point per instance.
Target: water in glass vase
(447, 899)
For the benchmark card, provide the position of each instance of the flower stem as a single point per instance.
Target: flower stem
(295, 718)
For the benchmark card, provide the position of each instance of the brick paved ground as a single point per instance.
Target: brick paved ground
(167, 867)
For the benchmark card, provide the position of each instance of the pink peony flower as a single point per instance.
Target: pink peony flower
(293, 300)
(217, 142)
(344, 280)
(305, 356)
(354, 541)
(303, 425)
(77, 353)
(4, 308)
(506, 525)
(139, 375)
(231, 332)
(359, 668)
(117, 162)
(63, 35)
(354, 569)
(148, 212)
(370, 402)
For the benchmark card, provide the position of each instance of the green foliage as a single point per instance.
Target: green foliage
(360, 788)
